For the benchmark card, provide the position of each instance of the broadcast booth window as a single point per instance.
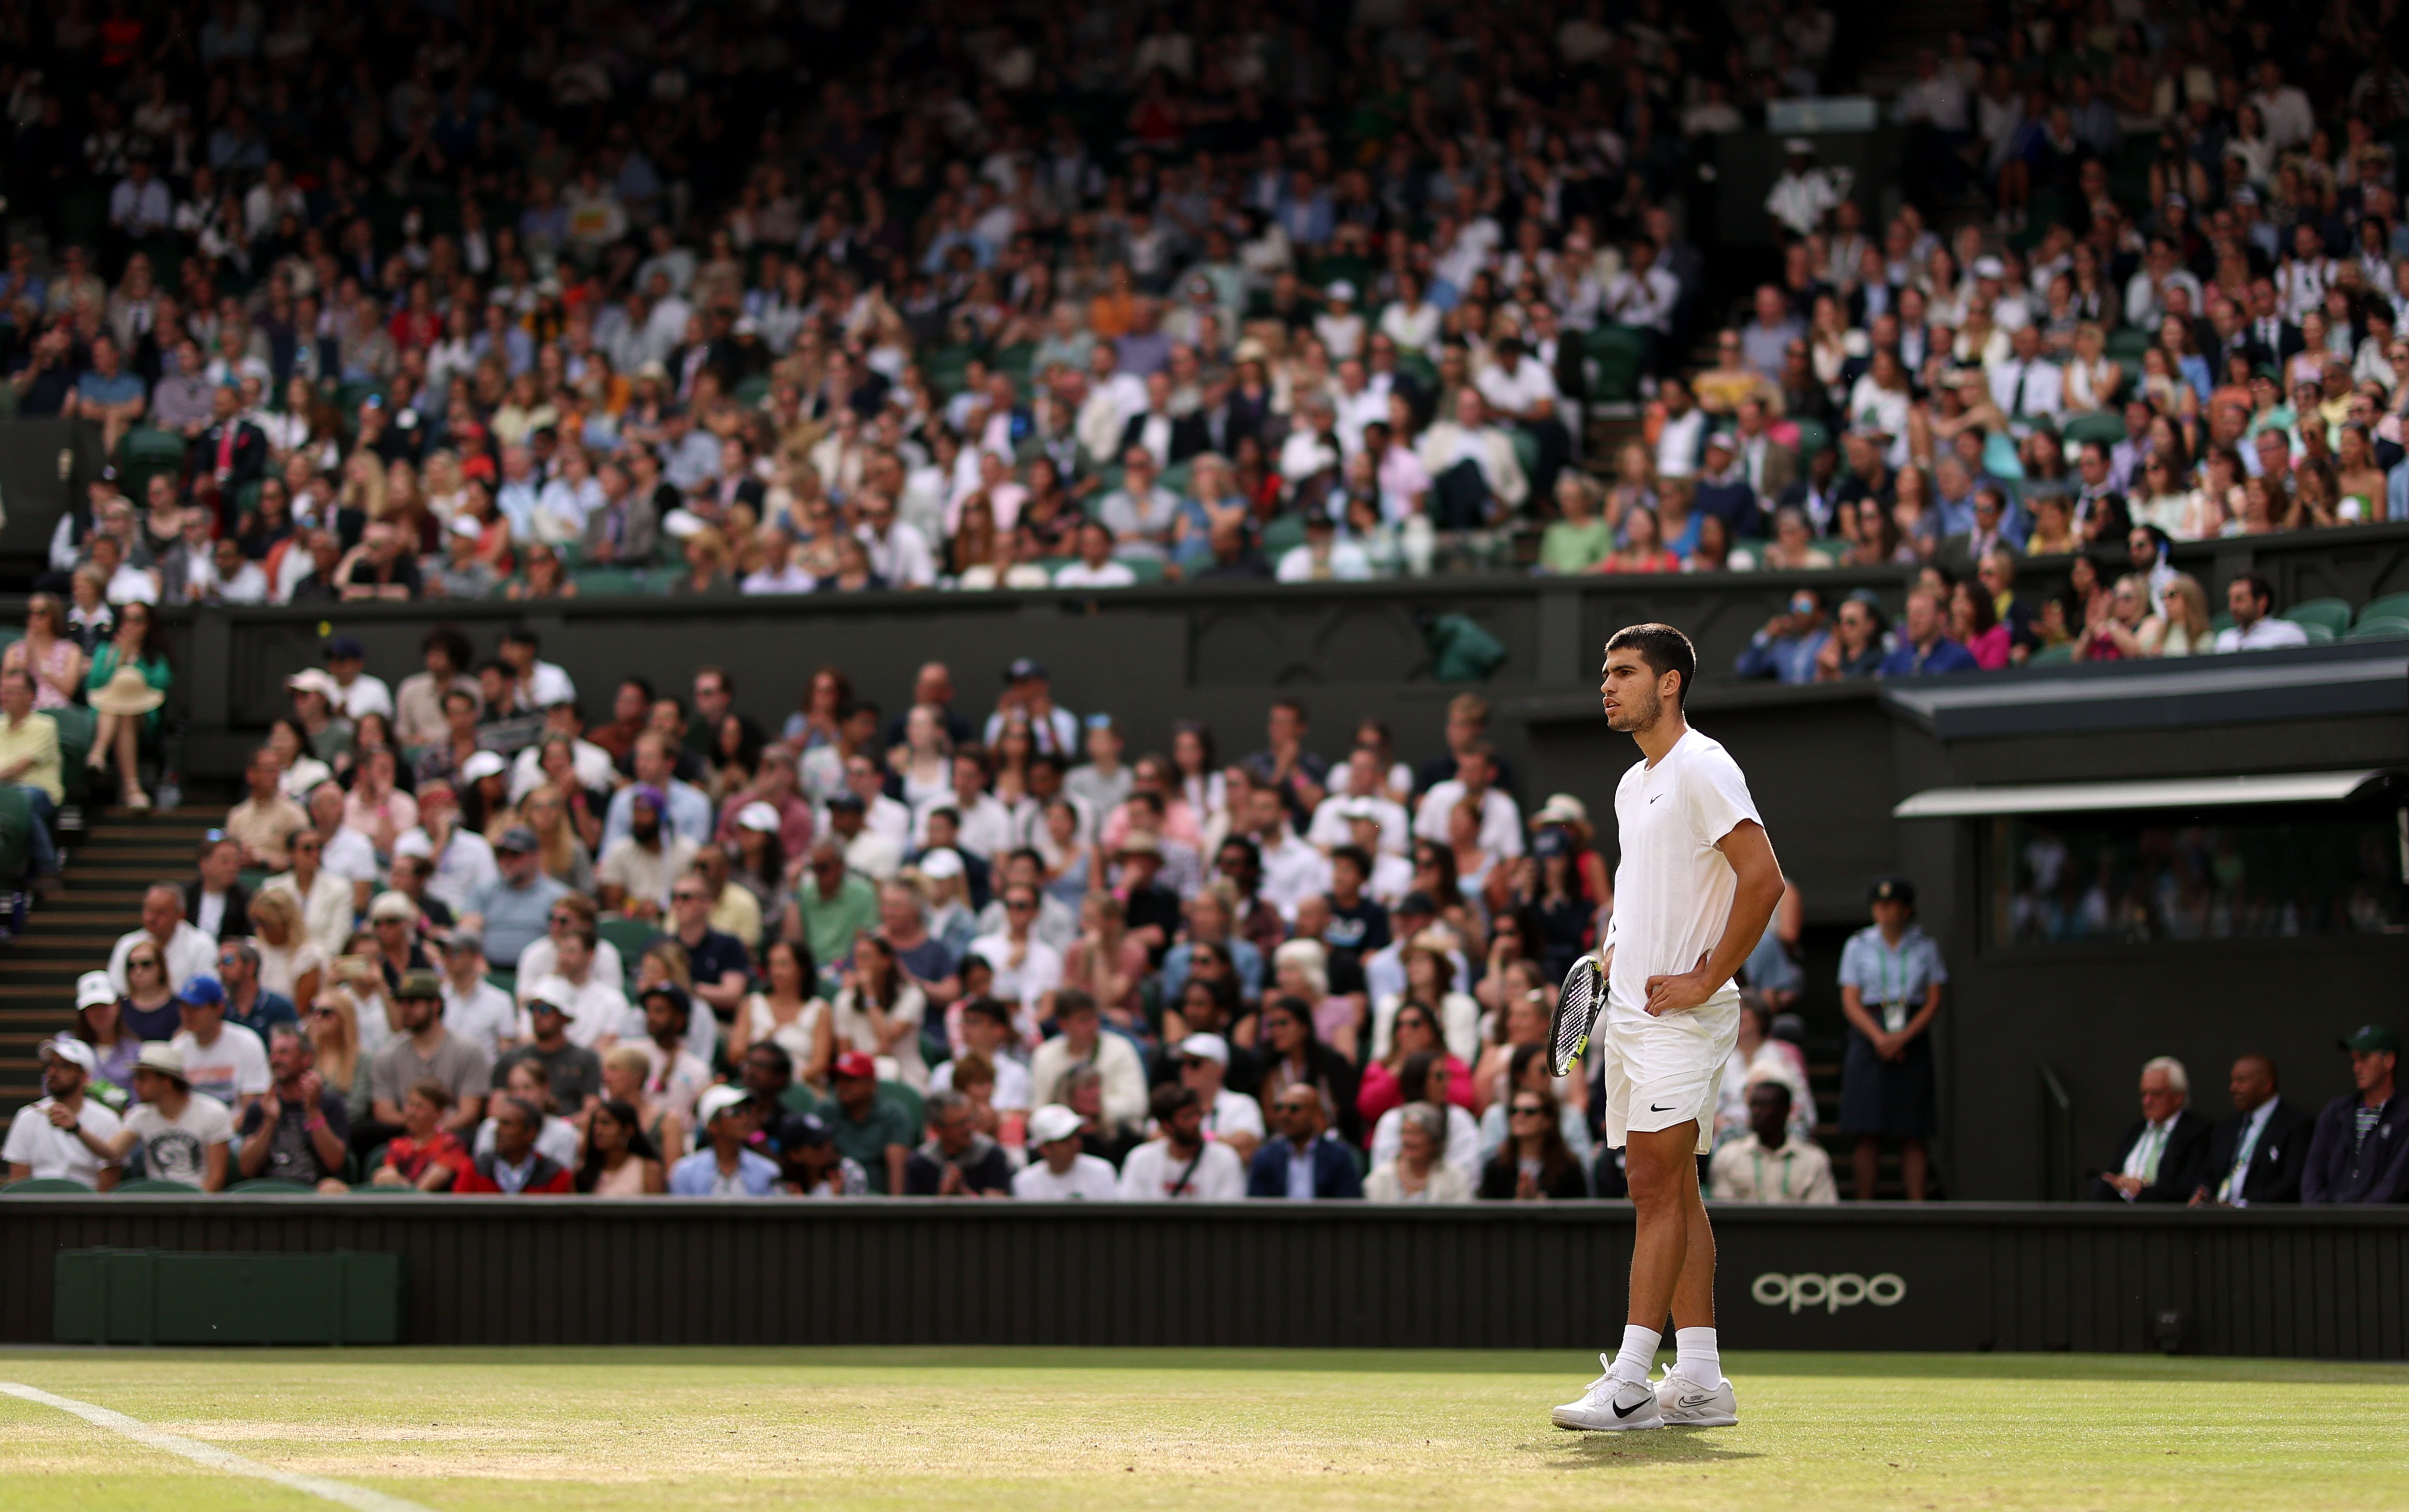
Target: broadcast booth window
(2322, 854)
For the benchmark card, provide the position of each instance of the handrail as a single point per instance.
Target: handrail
(2056, 1117)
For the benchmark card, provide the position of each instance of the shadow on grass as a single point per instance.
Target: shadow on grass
(1627, 1451)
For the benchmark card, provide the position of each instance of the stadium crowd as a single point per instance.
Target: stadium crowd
(456, 938)
(386, 302)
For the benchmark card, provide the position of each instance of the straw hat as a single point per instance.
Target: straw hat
(127, 693)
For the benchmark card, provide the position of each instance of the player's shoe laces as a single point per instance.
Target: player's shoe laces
(1684, 1403)
(1610, 1405)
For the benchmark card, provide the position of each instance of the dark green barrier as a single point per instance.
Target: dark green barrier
(165, 1296)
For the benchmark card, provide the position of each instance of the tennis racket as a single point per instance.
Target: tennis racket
(1576, 1004)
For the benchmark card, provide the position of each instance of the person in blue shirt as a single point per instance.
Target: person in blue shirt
(1891, 976)
(1785, 649)
(1925, 647)
(724, 1167)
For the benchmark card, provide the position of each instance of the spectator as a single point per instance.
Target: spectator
(1925, 647)
(215, 898)
(514, 1167)
(249, 1004)
(183, 1135)
(265, 818)
(1772, 1164)
(1062, 1171)
(480, 1013)
(222, 1060)
(424, 1050)
(63, 1136)
(426, 1155)
(957, 1160)
(1180, 1162)
(297, 1129)
(2361, 1150)
(1787, 647)
(2164, 1155)
(813, 1167)
(2248, 598)
(510, 913)
(1533, 1163)
(2259, 1153)
(1416, 1170)
(1430, 1080)
(1891, 976)
(1235, 1120)
(725, 1167)
(620, 1158)
(571, 1072)
(869, 1130)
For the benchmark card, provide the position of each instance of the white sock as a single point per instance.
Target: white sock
(1637, 1358)
(1695, 1355)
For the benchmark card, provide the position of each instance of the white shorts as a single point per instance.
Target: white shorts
(1661, 1073)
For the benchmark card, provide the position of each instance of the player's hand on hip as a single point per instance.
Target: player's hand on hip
(1677, 994)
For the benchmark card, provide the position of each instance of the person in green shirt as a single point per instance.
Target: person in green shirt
(836, 906)
(1579, 540)
(876, 1133)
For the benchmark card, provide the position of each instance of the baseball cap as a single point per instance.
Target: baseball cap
(481, 765)
(467, 942)
(1052, 1122)
(758, 815)
(163, 1057)
(392, 905)
(805, 1130)
(1023, 668)
(650, 796)
(414, 844)
(202, 991)
(93, 988)
(1205, 1047)
(1341, 289)
(845, 799)
(554, 992)
(313, 680)
(518, 837)
(675, 993)
(346, 648)
(1799, 146)
(940, 864)
(1990, 267)
(1359, 808)
(718, 1099)
(1418, 903)
(857, 1063)
(2369, 1038)
(419, 983)
(1892, 890)
(72, 1050)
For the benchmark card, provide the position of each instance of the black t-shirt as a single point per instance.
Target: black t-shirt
(403, 571)
(1159, 907)
(714, 957)
(575, 1072)
(1357, 930)
(292, 1156)
(984, 1169)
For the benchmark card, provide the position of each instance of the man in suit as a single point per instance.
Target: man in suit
(2361, 1150)
(2258, 1155)
(1770, 466)
(227, 454)
(1171, 438)
(2270, 331)
(2161, 1155)
(215, 898)
(1220, 419)
(1303, 1162)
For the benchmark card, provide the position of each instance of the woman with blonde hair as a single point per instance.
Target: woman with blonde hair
(289, 965)
(333, 1025)
(2189, 629)
(627, 1078)
(1301, 970)
(559, 852)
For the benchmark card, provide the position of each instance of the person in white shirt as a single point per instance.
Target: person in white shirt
(1643, 295)
(226, 1061)
(1680, 444)
(356, 694)
(1293, 870)
(1181, 1163)
(598, 1015)
(188, 952)
(986, 1031)
(898, 551)
(1361, 794)
(1770, 1165)
(480, 1013)
(1063, 1172)
(1322, 558)
(45, 1139)
(1501, 819)
(1095, 568)
(184, 1135)
(2249, 597)
(1083, 1046)
(1230, 1118)
(1026, 968)
(2028, 384)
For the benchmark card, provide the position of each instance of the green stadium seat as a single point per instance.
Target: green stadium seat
(2320, 635)
(272, 1185)
(2106, 427)
(1176, 478)
(1526, 448)
(1148, 571)
(1017, 360)
(750, 392)
(45, 1187)
(2383, 627)
(1813, 437)
(2050, 656)
(153, 446)
(604, 581)
(914, 1107)
(2330, 614)
(632, 936)
(2391, 606)
(154, 1187)
(2127, 344)
(2221, 620)
(1282, 534)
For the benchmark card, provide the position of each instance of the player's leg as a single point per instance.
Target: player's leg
(1694, 1393)
(1620, 1399)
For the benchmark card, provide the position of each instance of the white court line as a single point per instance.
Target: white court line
(349, 1495)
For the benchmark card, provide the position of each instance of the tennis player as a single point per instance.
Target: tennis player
(1698, 883)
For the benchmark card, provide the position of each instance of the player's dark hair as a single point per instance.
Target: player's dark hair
(1664, 649)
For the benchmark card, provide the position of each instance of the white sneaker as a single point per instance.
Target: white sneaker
(1684, 1403)
(1610, 1405)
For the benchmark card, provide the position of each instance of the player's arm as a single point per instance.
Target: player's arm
(1754, 896)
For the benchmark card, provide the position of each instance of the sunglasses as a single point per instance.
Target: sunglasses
(687, 895)
(1020, 907)
(1526, 1110)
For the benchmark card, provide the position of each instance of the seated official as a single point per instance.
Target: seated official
(2162, 1156)
(2257, 1156)
(1770, 1165)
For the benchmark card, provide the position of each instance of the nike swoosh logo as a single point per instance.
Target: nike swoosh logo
(1625, 1412)
(1688, 1402)
(1653, 1108)
(1653, 800)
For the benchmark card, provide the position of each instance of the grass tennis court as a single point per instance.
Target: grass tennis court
(1000, 1430)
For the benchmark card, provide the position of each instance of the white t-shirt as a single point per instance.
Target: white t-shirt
(483, 1016)
(235, 1067)
(366, 695)
(1040, 970)
(177, 1149)
(1088, 1179)
(1150, 1171)
(1234, 1113)
(1673, 892)
(1010, 1082)
(55, 1153)
(1501, 820)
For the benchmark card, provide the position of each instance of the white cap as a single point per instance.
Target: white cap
(555, 990)
(70, 1049)
(678, 524)
(390, 905)
(1206, 1047)
(481, 765)
(758, 815)
(467, 524)
(414, 844)
(1340, 289)
(315, 680)
(1562, 808)
(940, 864)
(93, 988)
(1052, 1122)
(1990, 267)
(1360, 807)
(718, 1099)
